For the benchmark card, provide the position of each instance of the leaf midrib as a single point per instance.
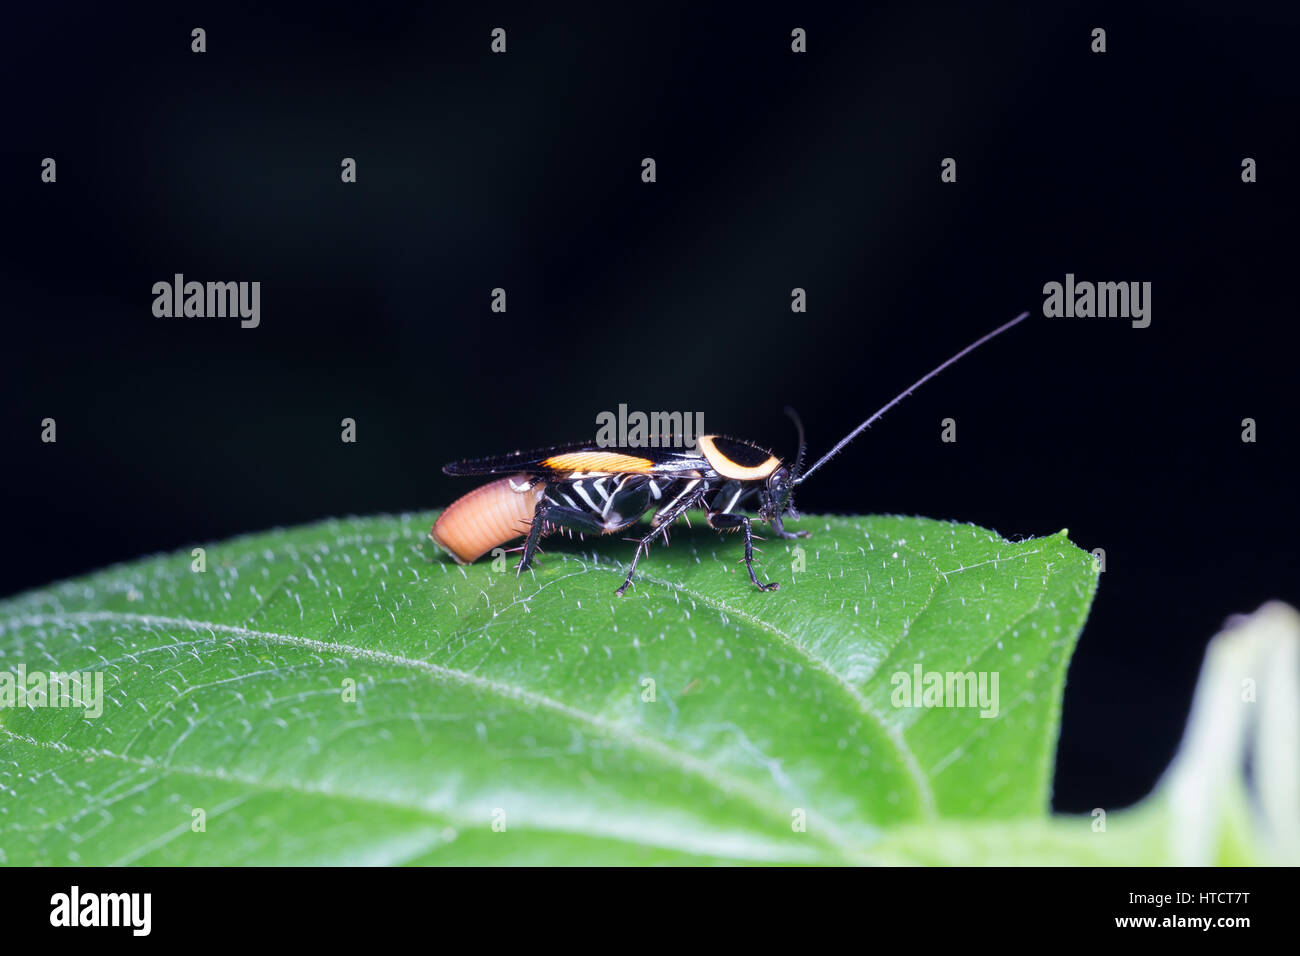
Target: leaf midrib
(907, 757)
(840, 844)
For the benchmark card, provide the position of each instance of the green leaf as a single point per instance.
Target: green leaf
(693, 720)
(1205, 811)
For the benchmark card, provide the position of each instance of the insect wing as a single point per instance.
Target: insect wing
(579, 457)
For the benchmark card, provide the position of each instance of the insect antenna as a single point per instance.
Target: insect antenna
(903, 394)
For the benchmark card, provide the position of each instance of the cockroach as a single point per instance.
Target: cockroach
(589, 489)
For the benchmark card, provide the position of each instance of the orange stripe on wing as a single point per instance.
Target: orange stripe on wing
(607, 461)
(731, 469)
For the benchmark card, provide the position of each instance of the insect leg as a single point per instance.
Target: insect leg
(778, 526)
(548, 518)
(642, 545)
(662, 521)
(730, 522)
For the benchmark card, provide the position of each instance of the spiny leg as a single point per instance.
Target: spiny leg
(641, 546)
(778, 526)
(665, 518)
(721, 521)
(548, 518)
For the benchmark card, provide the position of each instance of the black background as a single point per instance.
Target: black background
(774, 171)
